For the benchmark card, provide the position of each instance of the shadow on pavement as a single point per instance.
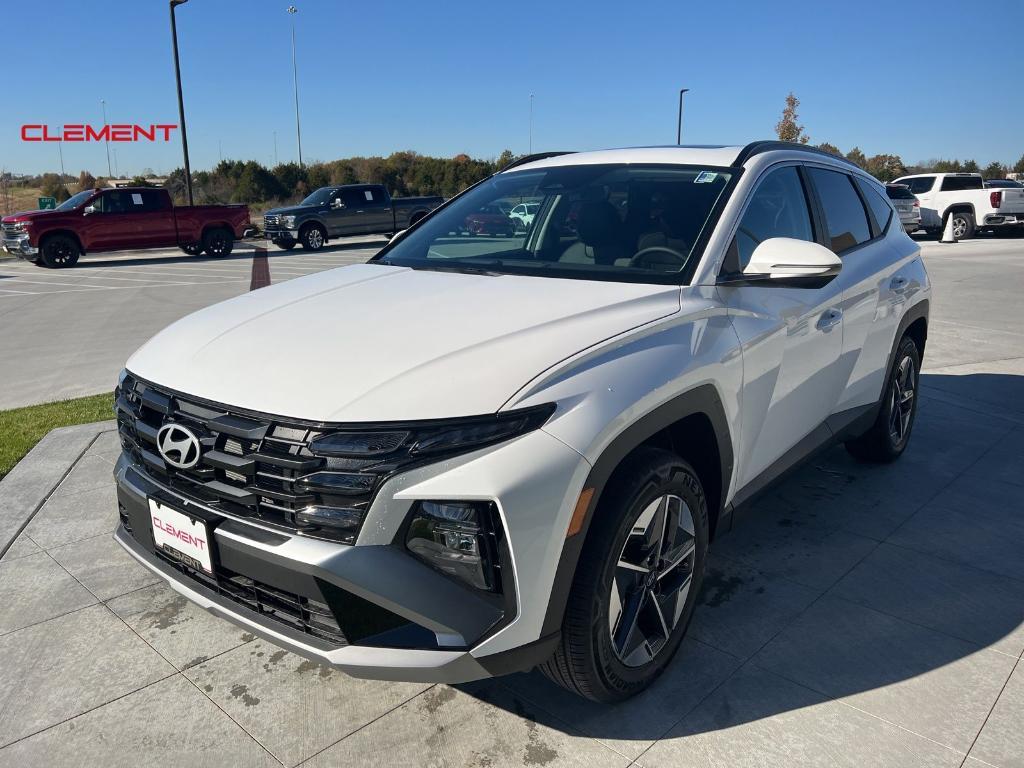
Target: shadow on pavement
(882, 583)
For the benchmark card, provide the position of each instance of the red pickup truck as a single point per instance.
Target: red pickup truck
(121, 219)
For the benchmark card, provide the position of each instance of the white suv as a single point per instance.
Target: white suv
(467, 458)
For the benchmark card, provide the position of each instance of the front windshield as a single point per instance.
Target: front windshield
(599, 222)
(75, 200)
(320, 197)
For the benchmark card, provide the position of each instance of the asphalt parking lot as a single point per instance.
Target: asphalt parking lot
(863, 615)
(71, 330)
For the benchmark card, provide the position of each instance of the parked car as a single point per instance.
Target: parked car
(907, 206)
(489, 220)
(352, 209)
(963, 197)
(513, 455)
(522, 215)
(1003, 184)
(127, 218)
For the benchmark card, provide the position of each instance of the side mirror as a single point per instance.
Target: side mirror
(89, 210)
(784, 260)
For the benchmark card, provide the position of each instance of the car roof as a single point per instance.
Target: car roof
(716, 155)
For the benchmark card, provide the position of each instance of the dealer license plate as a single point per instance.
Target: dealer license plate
(182, 537)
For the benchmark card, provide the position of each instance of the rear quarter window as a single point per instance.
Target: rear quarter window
(920, 185)
(881, 208)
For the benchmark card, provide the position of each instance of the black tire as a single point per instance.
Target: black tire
(963, 223)
(313, 237)
(587, 660)
(192, 249)
(286, 245)
(881, 443)
(59, 251)
(219, 241)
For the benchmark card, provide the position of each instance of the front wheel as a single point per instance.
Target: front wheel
(637, 581)
(285, 245)
(218, 242)
(192, 249)
(313, 238)
(890, 434)
(60, 251)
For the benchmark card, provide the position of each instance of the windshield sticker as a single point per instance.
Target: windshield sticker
(705, 177)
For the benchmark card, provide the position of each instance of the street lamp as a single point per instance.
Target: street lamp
(679, 125)
(106, 136)
(181, 102)
(292, 10)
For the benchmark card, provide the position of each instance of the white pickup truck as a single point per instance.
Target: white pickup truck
(964, 197)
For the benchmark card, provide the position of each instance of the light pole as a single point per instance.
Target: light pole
(181, 102)
(106, 137)
(531, 124)
(679, 125)
(292, 10)
(275, 149)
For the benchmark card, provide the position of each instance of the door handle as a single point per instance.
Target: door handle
(899, 285)
(829, 319)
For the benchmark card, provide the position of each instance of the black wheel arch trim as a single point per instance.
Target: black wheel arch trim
(65, 232)
(702, 400)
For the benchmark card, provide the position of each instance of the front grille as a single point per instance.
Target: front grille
(11, 230)
(271, 221)
(308, 616)
(249, 467)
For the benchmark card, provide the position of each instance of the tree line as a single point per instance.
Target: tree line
(886, 167)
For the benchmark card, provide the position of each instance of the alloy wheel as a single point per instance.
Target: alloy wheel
(959, 226)
(651, 581)
(61, 252)
(901, 403)
(315, 238)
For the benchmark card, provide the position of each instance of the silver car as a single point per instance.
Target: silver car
(906, 204)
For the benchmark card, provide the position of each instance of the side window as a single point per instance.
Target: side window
(778, 208)
(920, 185)
(960, 183)
(353, 198)
(372, 197)
(114, 202)
(879, 204)
(152, 200)
(846, 222)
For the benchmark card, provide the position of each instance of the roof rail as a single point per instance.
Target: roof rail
(759, 147)
(534, 157)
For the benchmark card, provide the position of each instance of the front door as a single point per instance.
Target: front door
(115, 222)
(791, 338)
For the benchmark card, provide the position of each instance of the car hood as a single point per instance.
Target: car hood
(28, 215)
(292, 210)
(380, 343)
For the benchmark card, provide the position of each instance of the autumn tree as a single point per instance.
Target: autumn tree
(53, 186)
(885, 167)
(788, 129)
(86, 181)
(857, 157)
(830, 148)
(971, 167)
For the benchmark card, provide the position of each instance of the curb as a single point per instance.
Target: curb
(27, 487)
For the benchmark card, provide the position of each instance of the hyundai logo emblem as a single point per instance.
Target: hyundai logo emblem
(178, 445)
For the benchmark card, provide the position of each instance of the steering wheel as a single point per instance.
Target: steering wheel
(638, 259)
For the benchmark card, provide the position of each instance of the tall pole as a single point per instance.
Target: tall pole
(117, 173)
(531, 124)
(181, 102)
(292, 10)
(275, 149)
(60, 151)
(106, 137)
(679, 125)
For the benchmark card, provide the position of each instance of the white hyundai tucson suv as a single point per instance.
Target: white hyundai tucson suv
(472, 456)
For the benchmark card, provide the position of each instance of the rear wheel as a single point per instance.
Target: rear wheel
(637, 581)
(963, 225)
(890, 434)
(60, 251)
(218, 242)
(313, 237)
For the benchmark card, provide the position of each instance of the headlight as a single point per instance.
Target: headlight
(19, 226)
(358, 462)
(458, 538)
(288, 221)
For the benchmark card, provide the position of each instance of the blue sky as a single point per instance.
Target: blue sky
(917, 79)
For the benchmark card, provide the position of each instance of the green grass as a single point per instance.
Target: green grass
(22, 428)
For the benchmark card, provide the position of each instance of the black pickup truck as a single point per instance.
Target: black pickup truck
(352, 209)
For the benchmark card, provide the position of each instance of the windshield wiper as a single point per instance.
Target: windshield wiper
(468, 269)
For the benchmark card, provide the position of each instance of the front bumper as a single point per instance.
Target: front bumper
(282, 235)
(401, 619)
(19, 245)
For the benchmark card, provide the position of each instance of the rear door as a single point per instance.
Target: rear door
(157, 227)
(791, 337)
(377, 215)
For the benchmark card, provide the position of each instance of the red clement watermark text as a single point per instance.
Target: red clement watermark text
(82, 132)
